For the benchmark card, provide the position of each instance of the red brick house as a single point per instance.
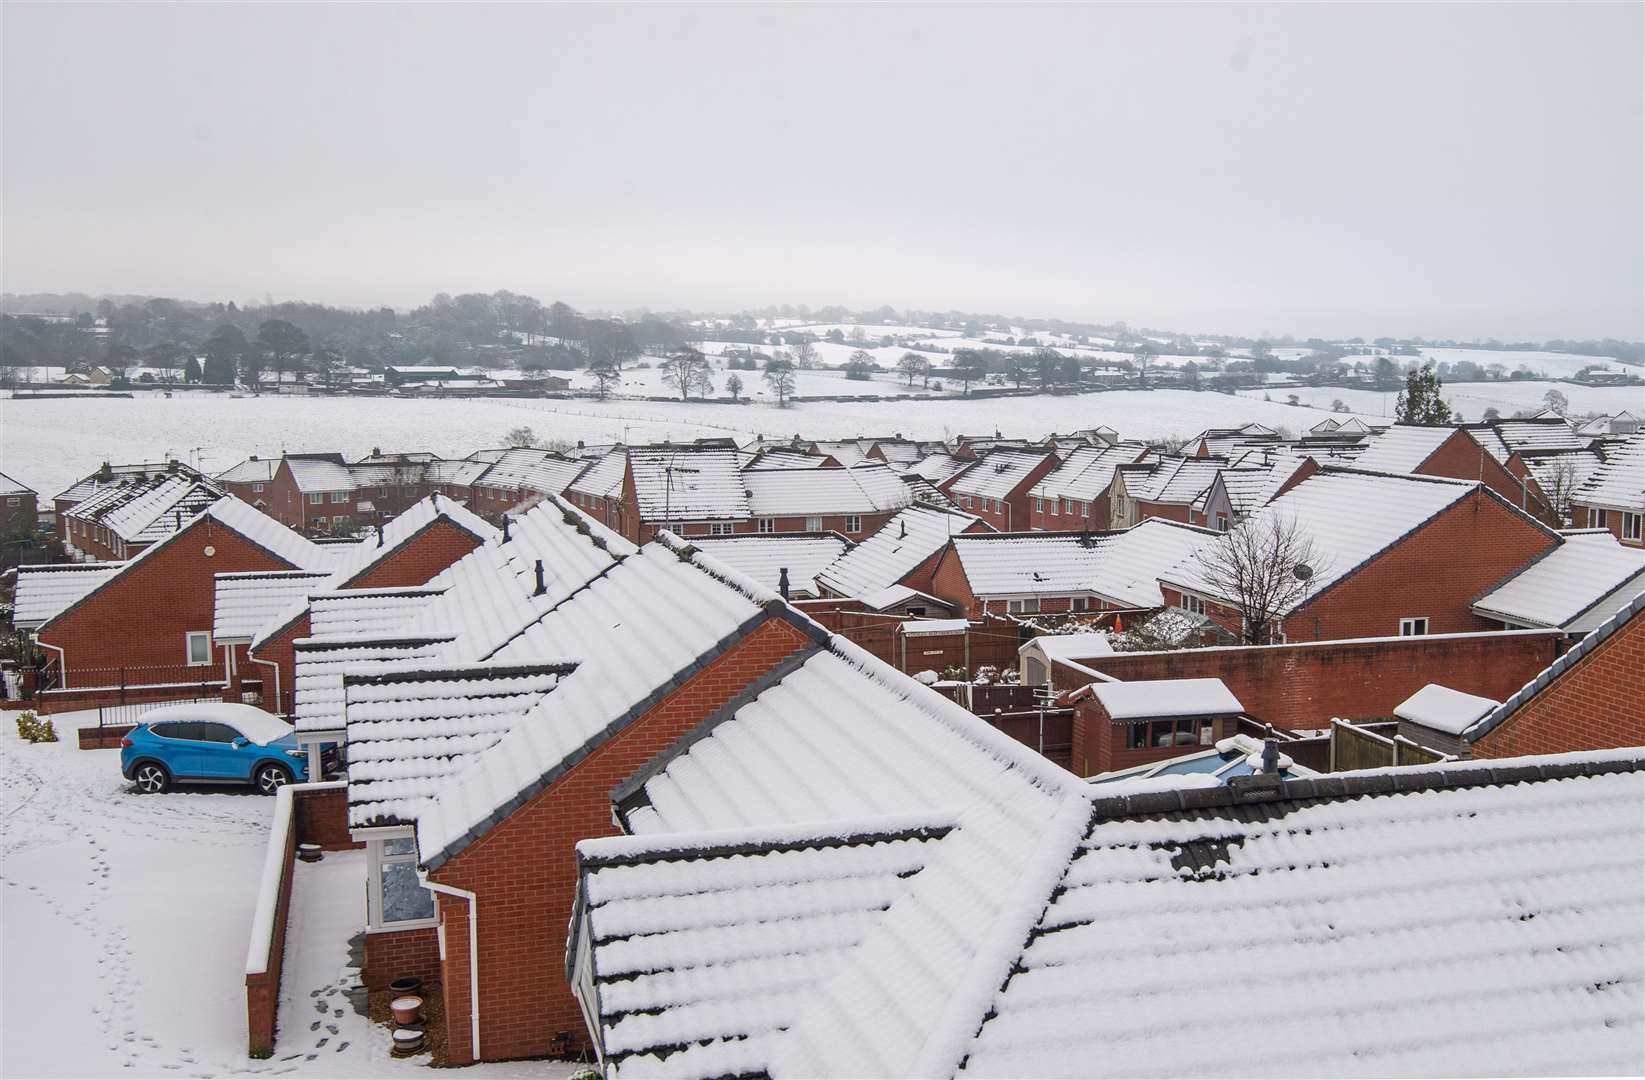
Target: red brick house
(902, 553)
(1589, 699)
(19, 510)
(266, 614)
(1613, 496)
(120, 520)
(1398, 555)
(1074, 496)
(1166, 488)
(996, 486)
(1461, 453)
(249, 480)
(111, 476)
(150, 622)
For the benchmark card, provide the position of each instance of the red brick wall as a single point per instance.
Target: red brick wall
(1305, 686)
(1015, 513)
(1168, 511)
(280, 652)
(524, 870)
(1461, 457)
(404, 954)
(1581, 517)
(1596, 705)
(263, 989)
(1099, 743)
(140, 617)
(948, 582)
(321, 817)
(419, 559)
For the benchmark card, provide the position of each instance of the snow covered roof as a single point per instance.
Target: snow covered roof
(1402, 448)
(253, 470)
(783, 457)
(460, 473)
(937, 467)
(1561, 470)
(1176, 481)
(408, 731)
(320, 472)
(1151, 698)
(847, 452)
(1619, 484)
(1443, 709)
(531, 470)
(1069, 646)
(43, 591)
(365, 613)
(863, 489)
(1502, 438)
(1350, 517)
(147, 510)
(1121, 567)
(688, 484)
(1087, 471)
(1577, 585)
(632, 629)
(892, 595)
(8, 486)
(604, 478)
(243, 603)
(320, 666)
(893, 551)
(929, 627)
(998, 473)
(117, 475)
(1381, 892)
(762, 557)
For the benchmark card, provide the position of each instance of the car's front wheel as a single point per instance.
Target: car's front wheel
(271, 778)
(151, 778)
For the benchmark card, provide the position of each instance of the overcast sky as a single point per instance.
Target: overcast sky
(1469, 171)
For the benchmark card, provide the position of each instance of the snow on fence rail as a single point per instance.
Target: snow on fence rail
(265, 952)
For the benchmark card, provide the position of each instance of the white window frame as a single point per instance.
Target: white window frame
(1222, 521)
(1027, 605)
(1596, 518)
(719, 528)
(258, 485)
(813, 523)
(1633, 526)
(767, 525)
(188, 647)
(316, 498)
(1408, 626)
(853, 523)
(339, 496)
(376, 860)
(14, 500)
(1191, 603)
(1079, 603)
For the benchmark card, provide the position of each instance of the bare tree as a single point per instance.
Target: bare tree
(687, 371)
(1558, 481)
(1263, 567)
(805, 355)
(914, 366)
(606, 372)
(779, 376)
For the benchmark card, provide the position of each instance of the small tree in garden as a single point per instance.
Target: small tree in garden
(1258, 568)
(1419, 402)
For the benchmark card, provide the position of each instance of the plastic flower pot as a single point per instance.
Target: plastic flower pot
(408, 985)
(407, 1041)
(309, 852)
(407, 1010)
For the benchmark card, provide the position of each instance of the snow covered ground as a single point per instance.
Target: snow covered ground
(1473, 398)
(50, 444)
(125, 925)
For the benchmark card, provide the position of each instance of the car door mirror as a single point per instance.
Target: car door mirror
(239, 742)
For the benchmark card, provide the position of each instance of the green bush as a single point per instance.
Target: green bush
(32, 729)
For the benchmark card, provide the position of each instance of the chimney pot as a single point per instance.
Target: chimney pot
(379, 534)
(505, 528)
(542, 586)
(782, 582)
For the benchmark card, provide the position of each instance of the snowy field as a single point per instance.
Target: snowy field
(50, 444)
(1553, 365)
(1473, 398)
(126, 919)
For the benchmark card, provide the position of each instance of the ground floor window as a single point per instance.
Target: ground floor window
(199, 648)
(1194, 604)
(1413, 627)
(1596, 519)
(394, 895)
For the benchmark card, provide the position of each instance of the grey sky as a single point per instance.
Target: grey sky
(1469, 170)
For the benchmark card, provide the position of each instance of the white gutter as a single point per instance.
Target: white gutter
(473, 955)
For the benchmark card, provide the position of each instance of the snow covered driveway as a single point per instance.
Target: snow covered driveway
(125, 920)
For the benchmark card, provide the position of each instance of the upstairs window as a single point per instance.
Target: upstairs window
(315, 498)
(768, 525)
(198, 645)
(853, 523)
(1631, 526)
(258, 485)
(813, 524)
(1597, 518)
(339, 496)
(1195, 604)
(1029, 606)
(1413, 627)
(1222, 522)
(719, 528)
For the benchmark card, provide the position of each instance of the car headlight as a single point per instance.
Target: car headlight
(297, 753)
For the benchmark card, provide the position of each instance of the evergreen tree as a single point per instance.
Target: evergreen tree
(1419, 402)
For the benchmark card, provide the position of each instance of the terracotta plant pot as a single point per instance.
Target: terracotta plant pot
(407, 1010)
(407, 1041)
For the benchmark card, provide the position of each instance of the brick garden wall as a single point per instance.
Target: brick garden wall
(404, 954)
(1305, 686)
(1598, 704)
(524, 870)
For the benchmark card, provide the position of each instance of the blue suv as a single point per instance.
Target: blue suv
(211, 743)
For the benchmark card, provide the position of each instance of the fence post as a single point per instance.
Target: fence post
(122, 686)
